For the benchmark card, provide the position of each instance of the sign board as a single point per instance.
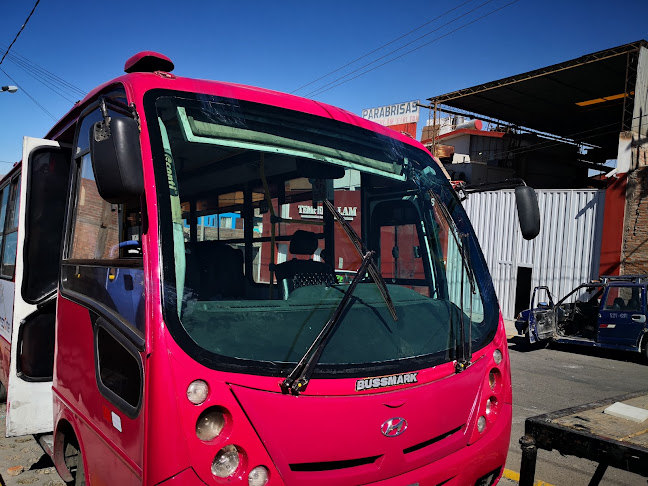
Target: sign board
(309, 212)
(396, 114)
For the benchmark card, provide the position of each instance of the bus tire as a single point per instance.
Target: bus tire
(74, 462)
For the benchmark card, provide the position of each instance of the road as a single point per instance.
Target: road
(546, 380)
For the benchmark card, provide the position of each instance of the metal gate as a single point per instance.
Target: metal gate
(565, 253)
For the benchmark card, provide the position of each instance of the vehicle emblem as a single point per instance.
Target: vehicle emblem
(393, 427)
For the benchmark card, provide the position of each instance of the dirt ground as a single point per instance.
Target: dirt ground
(22, 461)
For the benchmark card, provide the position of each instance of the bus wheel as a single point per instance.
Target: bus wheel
(74, 463)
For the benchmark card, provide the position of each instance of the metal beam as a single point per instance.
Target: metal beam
(581, 61)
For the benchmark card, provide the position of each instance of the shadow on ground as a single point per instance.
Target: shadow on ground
(521, 344)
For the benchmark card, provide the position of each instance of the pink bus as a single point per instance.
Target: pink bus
(209, 283)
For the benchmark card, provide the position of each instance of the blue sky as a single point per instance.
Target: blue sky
(284, 45)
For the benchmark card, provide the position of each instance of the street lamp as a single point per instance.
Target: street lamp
(11, 89)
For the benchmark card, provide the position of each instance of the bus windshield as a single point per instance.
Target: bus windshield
(255, 262)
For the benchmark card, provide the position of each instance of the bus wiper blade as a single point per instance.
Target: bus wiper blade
(298, 379)
(360, 248)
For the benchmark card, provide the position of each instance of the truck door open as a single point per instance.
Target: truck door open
(42, 202)
(542, 318)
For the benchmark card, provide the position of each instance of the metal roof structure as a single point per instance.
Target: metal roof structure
(589, 99)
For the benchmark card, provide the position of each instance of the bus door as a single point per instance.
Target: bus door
(99, 375)
(31, 251)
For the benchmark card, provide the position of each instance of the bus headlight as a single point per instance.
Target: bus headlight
(226, 462)
(492, 408)
(210, 424)
(197, 392)
(258, 476)
(481, 424)
(497, 356)
(495, 380)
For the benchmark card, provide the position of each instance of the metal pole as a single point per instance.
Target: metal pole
(529, 455)
(434, 129)
(598, 474)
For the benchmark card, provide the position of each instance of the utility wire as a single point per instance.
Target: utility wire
(7, 52)
(34, 68)
(30, 96)
(319, 91)
(315, 91)
(383, 46)
(19, 32)
(45, 82)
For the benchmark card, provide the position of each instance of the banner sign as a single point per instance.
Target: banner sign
(396, 114)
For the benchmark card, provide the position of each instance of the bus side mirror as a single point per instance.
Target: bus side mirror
(117, 159)
(528, 211)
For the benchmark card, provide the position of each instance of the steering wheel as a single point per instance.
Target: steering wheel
(128, 244)
(578, 311)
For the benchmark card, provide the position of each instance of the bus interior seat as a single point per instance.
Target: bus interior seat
(297, 273)
(215, 270)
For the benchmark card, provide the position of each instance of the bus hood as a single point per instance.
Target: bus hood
(340, 439)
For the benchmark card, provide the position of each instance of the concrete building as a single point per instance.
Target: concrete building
(551, 127)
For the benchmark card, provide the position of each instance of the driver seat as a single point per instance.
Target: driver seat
(296, 273)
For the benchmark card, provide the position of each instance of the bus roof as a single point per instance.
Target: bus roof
(137, 83)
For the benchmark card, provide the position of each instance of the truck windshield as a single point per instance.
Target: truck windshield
(254, 265)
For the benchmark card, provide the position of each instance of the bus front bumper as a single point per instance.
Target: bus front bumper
(479, 464)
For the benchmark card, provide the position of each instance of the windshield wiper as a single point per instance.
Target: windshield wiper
(298, 379)
(360, 248)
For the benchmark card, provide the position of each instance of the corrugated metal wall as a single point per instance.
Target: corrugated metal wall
(564, 254)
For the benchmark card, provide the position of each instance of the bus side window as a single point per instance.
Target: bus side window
(103, 261)
(3, 212)
(119, 371)
(10, 239)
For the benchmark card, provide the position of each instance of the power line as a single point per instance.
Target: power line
(30, 96)
(383, 46)
(320, 90)
(19, 32)
(45, 82)
(38, 70)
